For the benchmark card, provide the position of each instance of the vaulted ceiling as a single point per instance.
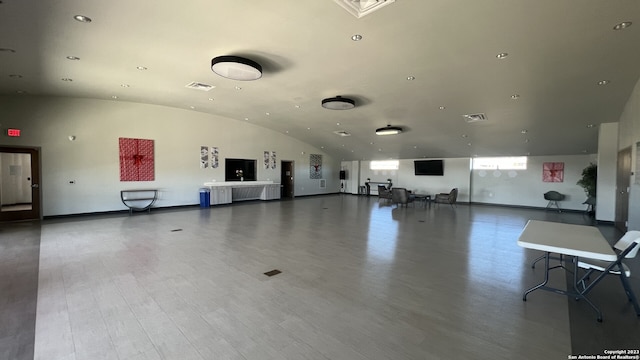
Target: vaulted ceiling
(419, 64)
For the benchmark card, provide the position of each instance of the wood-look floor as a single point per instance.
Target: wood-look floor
(360, 280)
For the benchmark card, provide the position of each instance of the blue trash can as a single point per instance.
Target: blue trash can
(205, 197)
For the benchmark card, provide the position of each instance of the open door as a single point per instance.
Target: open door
(286, 179)
(622, 189)
(19, 183)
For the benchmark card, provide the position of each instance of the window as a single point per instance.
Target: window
(500, 163)
(384, 165)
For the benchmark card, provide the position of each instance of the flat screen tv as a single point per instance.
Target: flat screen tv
(429, 167)
(240, 170)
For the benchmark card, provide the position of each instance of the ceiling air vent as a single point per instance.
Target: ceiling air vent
(199, 86)
(360, 8)
(342, 133)
(471, 118)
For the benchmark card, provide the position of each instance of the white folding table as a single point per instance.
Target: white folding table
(572, 240)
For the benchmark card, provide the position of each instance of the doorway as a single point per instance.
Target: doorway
(19, 183)
(622, 189)
(286, 179)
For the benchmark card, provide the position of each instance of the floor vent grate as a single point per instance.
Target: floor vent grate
(471, 118)
(273, 272)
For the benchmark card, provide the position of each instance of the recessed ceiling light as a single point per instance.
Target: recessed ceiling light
(415, 146)
(287, 131)
(308, 128)
(267, 113)
(356, 37)
(66, 79)
(73, 58)
(15, 76)
(465, 136)
(590, 126)
(124, 85)
(114, 97)
(141, 68)
(192, 107)
(524, 131)
(7, 50)
(603, 82)
(338, 124)
(82, 18)
(502, 56)
(210, 99)
(246, 119)
(622, 25)
(372, 143)
(468, 144)
(238, 88)
(442, 107)
(411, 78)
(515, 96)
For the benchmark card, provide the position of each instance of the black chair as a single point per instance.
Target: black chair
(553, 197)
(401, 196)
(447, 198)
(384, 193)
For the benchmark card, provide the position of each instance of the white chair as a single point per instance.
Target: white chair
(627, 247)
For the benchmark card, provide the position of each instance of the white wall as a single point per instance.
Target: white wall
(92, 160)
(526, 188)
(456, 174)
(352, 171)
(517, 187)
(607, 164)
(629, 136)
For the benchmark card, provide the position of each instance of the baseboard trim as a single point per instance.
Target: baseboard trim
(526, 207)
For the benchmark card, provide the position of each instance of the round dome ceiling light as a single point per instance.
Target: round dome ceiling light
(389, 130)
(236, 68)
(338, 103)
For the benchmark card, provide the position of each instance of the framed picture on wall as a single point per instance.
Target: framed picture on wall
(315, 168)
(553, 172)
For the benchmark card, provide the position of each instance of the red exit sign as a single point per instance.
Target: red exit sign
(13, 132)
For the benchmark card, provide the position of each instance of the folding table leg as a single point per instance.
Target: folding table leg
(546, 278)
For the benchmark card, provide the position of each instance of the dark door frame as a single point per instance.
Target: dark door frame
(623, 181)
(36, 195)
(287, 181)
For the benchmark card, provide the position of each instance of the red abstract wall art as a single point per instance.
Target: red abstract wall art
(553, 172)
(136, 160)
